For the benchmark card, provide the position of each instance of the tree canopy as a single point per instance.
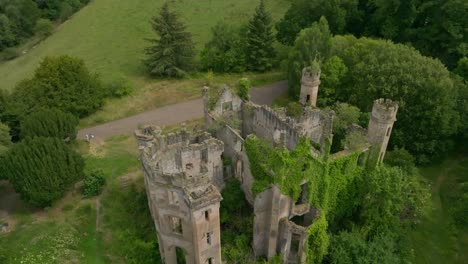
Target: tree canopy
(5, 138)
(358, 71)
(49, 123)
(225, 52)
(64, 83)
(41, 169)
(172, 52)
(435, 27)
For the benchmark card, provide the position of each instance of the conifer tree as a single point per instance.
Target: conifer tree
(259, 51)
(172, 52)
(49, 123)
(41, 169)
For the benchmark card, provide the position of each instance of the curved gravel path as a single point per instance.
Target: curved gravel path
(176, 113)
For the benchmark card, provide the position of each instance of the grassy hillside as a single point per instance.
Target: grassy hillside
(109, 34)
(437, 239)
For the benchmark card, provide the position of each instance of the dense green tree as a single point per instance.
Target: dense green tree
(43, 27)
(5, 138)
(61, 82)
(435, 27)
(345, 115)
(423, 87)
(352, 247)
(303, 13)
(225, 52)
(49, 123)
(7, 37)
(259, 51)
(41, 169)
(172, 53)
(462, 68)
(312, 44)
(65, 83)
(332, 73)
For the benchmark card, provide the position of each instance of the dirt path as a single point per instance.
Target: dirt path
(177, 113)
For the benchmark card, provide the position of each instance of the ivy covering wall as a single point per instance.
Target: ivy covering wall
(328, 179)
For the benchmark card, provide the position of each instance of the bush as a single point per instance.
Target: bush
(120, 87)
(244, 87)
(93, 183)
(41, 169)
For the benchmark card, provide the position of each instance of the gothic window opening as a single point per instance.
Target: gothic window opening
(210, 261)
(207, 215)
(388, 131)
(176, 225)
(173, 198)
(308, 98)
(208, 238)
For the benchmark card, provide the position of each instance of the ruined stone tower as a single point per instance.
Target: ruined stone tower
(181, 170)
(380, 127)
(310, 84)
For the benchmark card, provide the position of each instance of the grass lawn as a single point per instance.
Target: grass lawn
(74, 230)
(437, 239)
(109, 34)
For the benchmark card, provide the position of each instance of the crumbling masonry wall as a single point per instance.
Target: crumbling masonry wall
(180, 171)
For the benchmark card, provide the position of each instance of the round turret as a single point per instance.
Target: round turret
(310, 84)
(385, 110)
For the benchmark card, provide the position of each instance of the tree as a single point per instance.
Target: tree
(303, 13)
(259, 50)
(41, 169)
(49, 123)
(462, 68)
(352, 247)
(43, 27)
(172, 52)
(225, 51)
(332, 73)
(346, 115)
(7, 38)
(312, 44)
(5, 138)
(64, 83)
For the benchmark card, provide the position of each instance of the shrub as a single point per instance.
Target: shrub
(93, 183)
(244, 87)
(120, 88)
(41, 169)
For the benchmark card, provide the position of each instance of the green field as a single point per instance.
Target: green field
(437, 239)
(109, 34)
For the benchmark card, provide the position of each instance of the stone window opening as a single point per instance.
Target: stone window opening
(207, 215)
(189, 166)
(308, 98)
(173, 199)
(210, 261)
(388, 131)
(295, 243)
(208, 238)
(304, 193)
(176, 225)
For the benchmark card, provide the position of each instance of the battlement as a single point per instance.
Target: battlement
(385, 110)
(180, 159)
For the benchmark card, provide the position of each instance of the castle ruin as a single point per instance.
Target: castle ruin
(184, 172)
